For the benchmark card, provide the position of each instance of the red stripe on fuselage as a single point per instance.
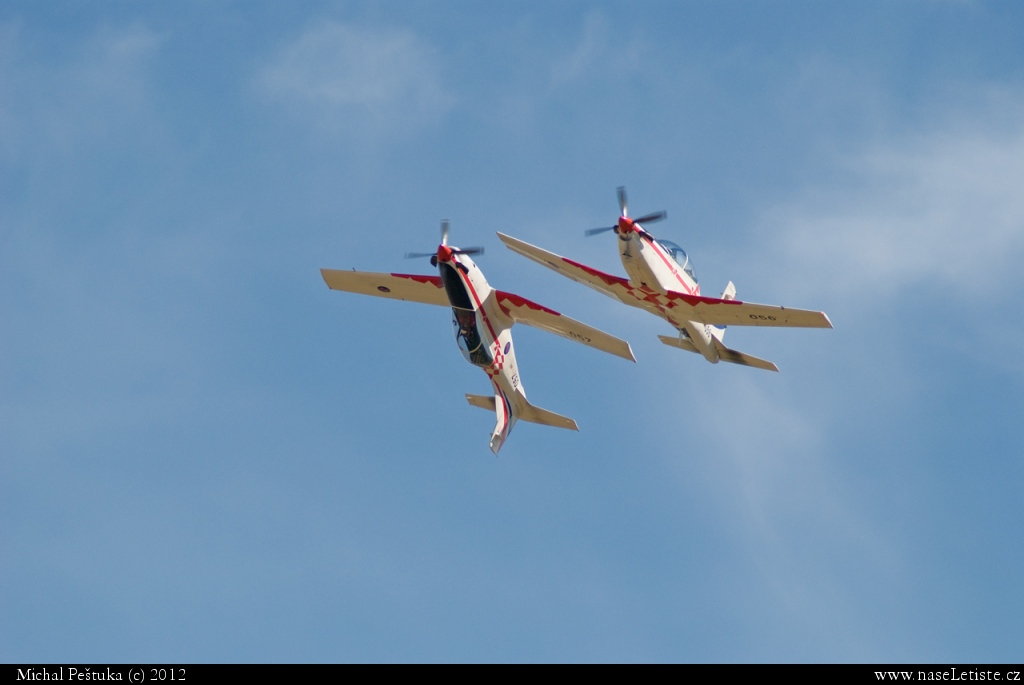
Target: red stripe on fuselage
(506, 405)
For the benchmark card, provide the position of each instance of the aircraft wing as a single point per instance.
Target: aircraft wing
(413, 288)
(522, 310)
(711, 310)
(613, 286)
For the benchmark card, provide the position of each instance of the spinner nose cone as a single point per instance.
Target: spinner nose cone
(625, 224)
(444, 253)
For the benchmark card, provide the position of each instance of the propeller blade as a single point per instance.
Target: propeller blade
(419, 255)
(595, 231)
(622, 200)
(444, 232)
(469, 250)
(651, 218)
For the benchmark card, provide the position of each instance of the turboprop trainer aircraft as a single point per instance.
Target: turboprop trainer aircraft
(662, 281)
(482, 318)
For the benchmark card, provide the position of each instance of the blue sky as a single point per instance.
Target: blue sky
(206, 455)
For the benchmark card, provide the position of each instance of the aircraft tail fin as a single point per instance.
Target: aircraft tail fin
(728, 294)
(503, 412)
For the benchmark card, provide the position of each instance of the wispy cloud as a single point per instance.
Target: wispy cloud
(779, 491)
(591, 48)
(93, 184)
(938, 213)
(356, 80)
(56, 107)
(942, 206)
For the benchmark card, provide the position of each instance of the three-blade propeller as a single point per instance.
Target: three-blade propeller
(624, 219)
(444, 252)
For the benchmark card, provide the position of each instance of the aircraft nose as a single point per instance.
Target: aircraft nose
(625, 224)
(444, 253)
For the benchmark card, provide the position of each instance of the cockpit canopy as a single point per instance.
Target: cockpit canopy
(468, 337)
(679, 255)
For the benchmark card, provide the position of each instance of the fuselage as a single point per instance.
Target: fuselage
(482, 332)
(660, 266)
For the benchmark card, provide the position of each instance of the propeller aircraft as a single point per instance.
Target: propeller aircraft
(663, 282)
(482, 318)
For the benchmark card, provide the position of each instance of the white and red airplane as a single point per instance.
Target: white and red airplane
(662, 281)
(482, 317)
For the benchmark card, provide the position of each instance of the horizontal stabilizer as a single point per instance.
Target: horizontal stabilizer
(482, 401)
(548, 418)
(531, 413)
(681, 343)
(734, 357)
(724, 353)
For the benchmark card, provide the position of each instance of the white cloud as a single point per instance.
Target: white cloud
(939, 213)
(85, 236)
(98, 94)
(8, 47)
(943, 207)
(359, 80)
(591, 48)
(779, 488)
